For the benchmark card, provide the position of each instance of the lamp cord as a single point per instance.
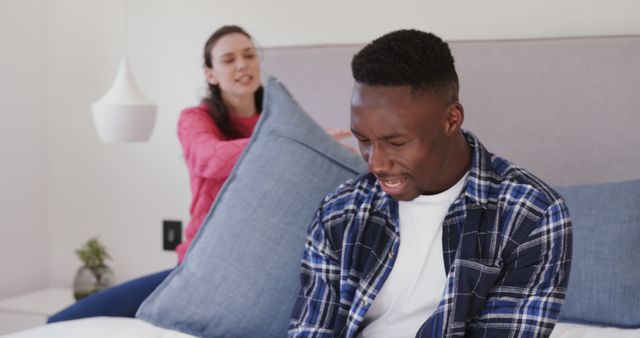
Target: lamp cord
(126, 26)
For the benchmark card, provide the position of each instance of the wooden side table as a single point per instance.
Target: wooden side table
(32, 309)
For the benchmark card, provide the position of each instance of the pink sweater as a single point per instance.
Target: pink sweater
(210, 157)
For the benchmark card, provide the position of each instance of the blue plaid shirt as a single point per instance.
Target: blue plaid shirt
(506, 250)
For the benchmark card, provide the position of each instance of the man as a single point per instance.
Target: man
(441, 238)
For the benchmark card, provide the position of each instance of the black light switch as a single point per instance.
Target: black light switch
(171, 234)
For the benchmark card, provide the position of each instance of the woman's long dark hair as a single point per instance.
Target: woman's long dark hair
(218, 111)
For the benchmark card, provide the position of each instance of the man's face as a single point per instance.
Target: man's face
(404, 138)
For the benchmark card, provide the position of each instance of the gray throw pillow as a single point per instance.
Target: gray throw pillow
(604, 286)
(240, 277)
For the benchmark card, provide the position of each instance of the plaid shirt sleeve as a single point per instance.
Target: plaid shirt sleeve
(317, 305)
(528, 294)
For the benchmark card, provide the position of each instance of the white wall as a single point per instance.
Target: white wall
(23, 228)
(118, 192)
(122, 192)
(287, 22)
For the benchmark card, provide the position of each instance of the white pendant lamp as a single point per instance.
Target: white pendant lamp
(124, 114)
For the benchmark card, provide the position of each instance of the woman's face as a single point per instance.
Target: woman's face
(236, 67)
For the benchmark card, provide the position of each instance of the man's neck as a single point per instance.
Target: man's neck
(458, 163)
(461, 161)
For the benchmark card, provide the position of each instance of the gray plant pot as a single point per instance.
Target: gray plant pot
(91, 280)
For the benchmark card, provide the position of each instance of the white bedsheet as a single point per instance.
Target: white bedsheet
(111, 327)
(99, 327)
(566, 330)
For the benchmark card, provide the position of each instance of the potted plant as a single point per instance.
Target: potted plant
(94, 275)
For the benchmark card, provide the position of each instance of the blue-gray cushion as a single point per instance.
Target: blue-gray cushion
(241, 275)
(604, 286)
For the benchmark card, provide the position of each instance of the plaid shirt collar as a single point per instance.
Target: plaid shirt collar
(479, 174)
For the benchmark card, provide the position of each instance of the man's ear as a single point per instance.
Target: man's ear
(210, 75)
(454, 118)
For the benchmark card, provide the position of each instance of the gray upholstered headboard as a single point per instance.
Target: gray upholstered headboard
(566, 109)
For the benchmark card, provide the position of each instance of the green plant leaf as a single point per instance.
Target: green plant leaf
(93, 253)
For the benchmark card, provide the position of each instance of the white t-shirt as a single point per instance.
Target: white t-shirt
(416, 283)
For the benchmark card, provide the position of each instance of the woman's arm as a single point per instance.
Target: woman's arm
(206, 151)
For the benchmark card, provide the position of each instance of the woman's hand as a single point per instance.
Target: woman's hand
(340, 135)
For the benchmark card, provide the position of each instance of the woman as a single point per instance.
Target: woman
(212, 135)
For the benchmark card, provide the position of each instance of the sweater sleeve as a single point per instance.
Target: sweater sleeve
(206, 152)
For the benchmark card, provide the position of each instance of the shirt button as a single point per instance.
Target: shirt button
(365, 302)
(391, 254)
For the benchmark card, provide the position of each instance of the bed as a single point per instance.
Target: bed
(106, 327)
(566, 109)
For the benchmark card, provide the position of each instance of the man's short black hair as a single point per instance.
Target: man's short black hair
(407, 57)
